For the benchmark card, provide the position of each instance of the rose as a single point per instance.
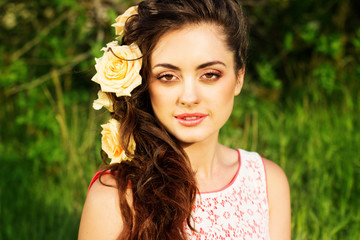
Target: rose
(118, 70)
(110, 142)
(103, 101)
(121, 20)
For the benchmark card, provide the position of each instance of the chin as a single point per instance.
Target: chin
(192, 138)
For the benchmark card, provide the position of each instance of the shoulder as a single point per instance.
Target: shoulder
(275, 175)
(279, 201)
(101, 217)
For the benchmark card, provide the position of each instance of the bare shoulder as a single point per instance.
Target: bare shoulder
(101, 217)
(275, 175)
(279, 201)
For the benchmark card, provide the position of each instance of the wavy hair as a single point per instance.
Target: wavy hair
(160, 177)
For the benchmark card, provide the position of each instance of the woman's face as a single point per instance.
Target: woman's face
(193, 82)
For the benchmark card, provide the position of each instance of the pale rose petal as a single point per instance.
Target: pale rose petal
(110, 142)
(103, 101)
(126, 91)
(135, 49)
(119, 74)
(121, 20)
(111, 44)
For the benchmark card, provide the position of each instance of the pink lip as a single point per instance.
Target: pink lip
(190, 119)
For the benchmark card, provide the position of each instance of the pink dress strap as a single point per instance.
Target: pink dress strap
(96, 176)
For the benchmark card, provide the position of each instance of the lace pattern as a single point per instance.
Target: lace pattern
(240, 210)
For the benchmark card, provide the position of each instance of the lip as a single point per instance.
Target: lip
(190, 119)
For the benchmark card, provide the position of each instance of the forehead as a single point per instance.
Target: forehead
(192, 43)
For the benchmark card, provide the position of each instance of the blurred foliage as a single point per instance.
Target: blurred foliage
(299, 107)
(304, 46)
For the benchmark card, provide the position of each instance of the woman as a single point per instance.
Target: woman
(170, 87)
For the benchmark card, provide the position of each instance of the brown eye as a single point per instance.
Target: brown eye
(210, 76)
(167, 77)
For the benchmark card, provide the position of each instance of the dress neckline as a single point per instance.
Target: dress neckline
(227, 186)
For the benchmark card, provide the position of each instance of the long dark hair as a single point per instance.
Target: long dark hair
(160, 177)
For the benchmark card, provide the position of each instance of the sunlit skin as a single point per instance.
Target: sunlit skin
(192, 71)
(193, 82)
(192, 87)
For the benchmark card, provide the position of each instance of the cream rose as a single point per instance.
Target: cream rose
(119, 74)
(110, 142)
(121, 20)
(103, 101)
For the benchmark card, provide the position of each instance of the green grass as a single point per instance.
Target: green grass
(315, 143)
(46, 168)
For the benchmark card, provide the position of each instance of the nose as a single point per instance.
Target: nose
(190, 93)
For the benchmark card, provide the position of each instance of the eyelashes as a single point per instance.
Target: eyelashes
(208, 76)
(166, 77)
(211, 75)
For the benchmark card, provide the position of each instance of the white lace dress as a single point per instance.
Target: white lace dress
(238, 211)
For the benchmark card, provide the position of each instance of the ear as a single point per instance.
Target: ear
(239, 81)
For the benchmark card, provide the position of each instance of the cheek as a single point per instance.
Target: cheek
(226, 92)
(223, 101)
(157, 98)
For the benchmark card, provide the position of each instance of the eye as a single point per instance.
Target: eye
(167, 77)
(211, 76)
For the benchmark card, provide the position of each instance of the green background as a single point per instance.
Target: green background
(299, 107)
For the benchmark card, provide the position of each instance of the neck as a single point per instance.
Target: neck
(203, 157)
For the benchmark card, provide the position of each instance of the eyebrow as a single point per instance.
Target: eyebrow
(204, 65)
(208, 64)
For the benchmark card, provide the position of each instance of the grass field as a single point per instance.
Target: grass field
(316, 143)
(318, 147)
(300, 107)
